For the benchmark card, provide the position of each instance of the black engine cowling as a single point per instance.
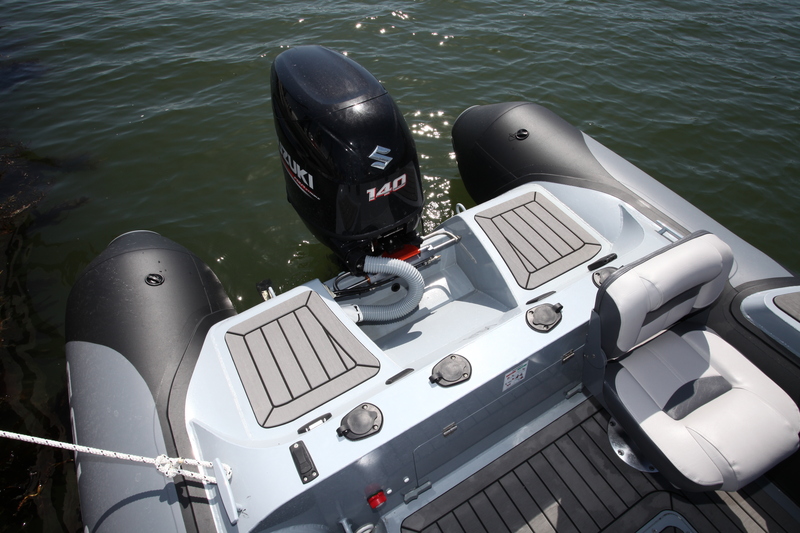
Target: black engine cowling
(349, 160)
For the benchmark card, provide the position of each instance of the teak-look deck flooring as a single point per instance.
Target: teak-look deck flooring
(566, 478)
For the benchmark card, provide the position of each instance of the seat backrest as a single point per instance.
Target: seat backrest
(648, 296)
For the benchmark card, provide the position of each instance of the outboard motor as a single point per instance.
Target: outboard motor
(349, 160)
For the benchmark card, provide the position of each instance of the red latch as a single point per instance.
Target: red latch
(377, 499)
(403, 253)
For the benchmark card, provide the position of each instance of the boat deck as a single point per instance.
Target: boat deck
(566, 478)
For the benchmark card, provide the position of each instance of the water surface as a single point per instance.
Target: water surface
(166, 106)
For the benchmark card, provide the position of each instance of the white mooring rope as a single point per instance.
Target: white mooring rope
(169, 466)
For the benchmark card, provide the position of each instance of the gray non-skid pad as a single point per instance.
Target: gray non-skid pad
(296, 356)
(789, 304)
(537, 240)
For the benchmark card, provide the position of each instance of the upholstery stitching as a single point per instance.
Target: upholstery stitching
(700, 351)
(667, 366)
(639, 383)
(647, 284)
(696, 435)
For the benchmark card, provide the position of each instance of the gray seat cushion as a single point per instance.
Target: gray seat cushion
(698, 409)
(733, 426)
(641, 300)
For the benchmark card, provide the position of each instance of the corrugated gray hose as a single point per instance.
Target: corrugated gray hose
(395, 311)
